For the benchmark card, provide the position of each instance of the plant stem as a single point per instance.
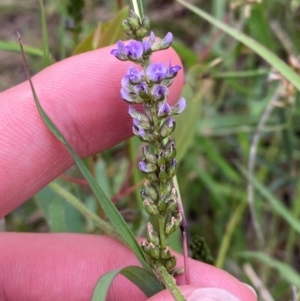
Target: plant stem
(168, 281)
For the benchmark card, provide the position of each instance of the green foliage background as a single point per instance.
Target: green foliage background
(230, 100)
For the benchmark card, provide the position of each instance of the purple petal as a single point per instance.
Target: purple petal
(135, 50)
(126, 95)
(146, 46)
(159, 91)
(133, 75)
(179, 106)
(168, 39)
(170, 122)
(156, 72)
(164, 109)
(152, 37)
(172, 72)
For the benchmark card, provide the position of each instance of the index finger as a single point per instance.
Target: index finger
(82, 97)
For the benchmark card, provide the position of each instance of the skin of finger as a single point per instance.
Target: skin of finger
(38, 267)
(82, 97)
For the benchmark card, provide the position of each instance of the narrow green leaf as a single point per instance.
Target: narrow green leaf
(277, 206)
(15, 47)
(286, 272)
(56, 215)
(111, 211)
(137, 6)
(139, 276)
(266, 54)
(105, 34)
(44, 35)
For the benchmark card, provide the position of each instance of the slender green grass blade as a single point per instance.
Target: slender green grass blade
(266, 54)
(277, 206)
(286, 272)
(140, 277)
(44, 35)
(56, 217)
(15, 47)
(111, 211)
(137, 6)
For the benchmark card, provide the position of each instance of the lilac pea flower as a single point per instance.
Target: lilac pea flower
(121, 51)
(139, 131)
(164, 110)
(156, 72)
(172, 71)
(135, 50)
(160, 91)
(179, 106)
(133, 75)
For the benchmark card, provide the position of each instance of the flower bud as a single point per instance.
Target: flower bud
(170, 151)
(165, 253)
(161, 160)
(163, 176)
(172, 205)
(172, 169)
(147, 167)
(150, 191)
(170, 264)
(162, 204)
(151, 176)
(152, 235)
(150, 208)
(167, 127)
(165, 189)
(172, 223)
(151, 250)
(146, 23)
(149, 156)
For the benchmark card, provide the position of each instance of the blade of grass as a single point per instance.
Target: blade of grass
(140, 277)
(111, 211)
(269, 56)
(44, 35)
(286, 272)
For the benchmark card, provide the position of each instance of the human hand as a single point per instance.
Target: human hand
(81, 96)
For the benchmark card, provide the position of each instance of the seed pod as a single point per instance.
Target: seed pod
(170, 264)
(153, 251)
(165, 253)
(152, 235)
(150, 191)
(172, 223)
(150, 208)
(172, 205)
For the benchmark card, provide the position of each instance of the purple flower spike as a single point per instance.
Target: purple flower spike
(160, 91)
(164, 110)
(135, 50)
(168, 39)
(156, 72)
(121, 51)
(179, 107)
